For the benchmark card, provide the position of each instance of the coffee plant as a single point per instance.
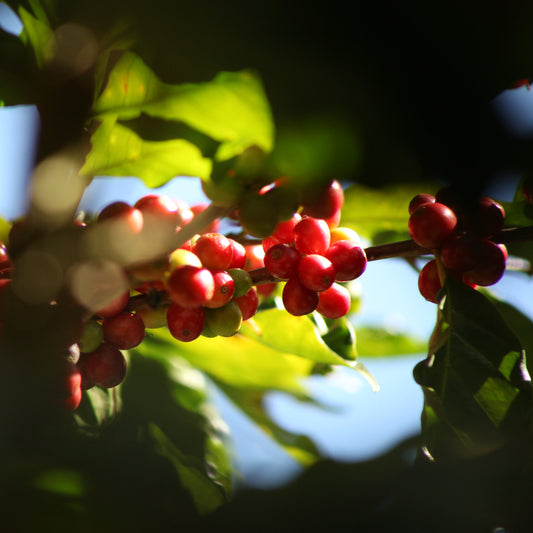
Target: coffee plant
(117, 325)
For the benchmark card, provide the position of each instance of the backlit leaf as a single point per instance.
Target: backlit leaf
(118, 151)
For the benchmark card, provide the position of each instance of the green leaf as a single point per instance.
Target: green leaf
(118, 151)
(476, 387)
(381, 215)
(520, 324)
(98, 408)
(37, 34)
(232, 108)
(375, 341)
(340, 337)
(237, 361)
(206, 496)
(292, 334)
(182, 422)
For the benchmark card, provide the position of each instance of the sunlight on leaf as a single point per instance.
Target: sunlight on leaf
(381, 215)
(374, 341)
(39, 36)
(118, 151)
(232, 108)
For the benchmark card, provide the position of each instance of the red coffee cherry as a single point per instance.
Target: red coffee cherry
(316, 272)
(190, 286)
(106, 366)
(129, 217)
(159, 207)
(324, 203)
(491, 266)
(125, 330)
(334, 302)
(420, 199)
(214, 250)
(185, 324)
(115, 307)
(348, 259)
(429, 282)
(238, 258)
(248, 303)
(282, 260)
(311, 236)
(461, 252)
(486, 218)
(431, 224)
(224, 289)
(284, 231)
(297, 299)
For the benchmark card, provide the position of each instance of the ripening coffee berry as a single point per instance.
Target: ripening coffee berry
(214, 251)
(284, 230)
(185, 324)
(334, 302)
(297, 299)
(242, 281)
(106, 366)
(190, 286)
(348, 259)
(153, 317)
(128, 218)
(282, 260)
(316, 272)
(159, 208)
(248, 303)
(199, 208)
(72, 386)
(431, 224)
(429, 282)
(91, 337)
(125, 330)
(311, 236)
(224, 289)
(224, 321)
(344, 234)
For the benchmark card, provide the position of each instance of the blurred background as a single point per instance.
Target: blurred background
(356, 422)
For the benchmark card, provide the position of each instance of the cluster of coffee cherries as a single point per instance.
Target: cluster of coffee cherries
(314, 260)
(459, 233)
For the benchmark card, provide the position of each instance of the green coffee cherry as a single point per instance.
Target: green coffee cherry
(224, 321)
(242, 281)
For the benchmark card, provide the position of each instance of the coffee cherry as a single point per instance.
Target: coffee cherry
(486, 218)
(348, 259)
(224, 321)
(491, 266)
(248, 303)
(180, 257)
(129, 218)
(185, 324)
(224, 289)
(238, 257)
(282, 260)
(297, 299)
(105, 366)
(420, 199)
(72, 393)
(316, 272)
(461, 252)
(324, 202)
(311, 236)
(429, 282)
(214, 250)
(431, 224)
(334, 302)
(153, 317)
(284, 230)
(344, 234)
(114, 307)
(190, 286)
(125, 330)
(91, 337)
(242, 281)
(159, 208)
